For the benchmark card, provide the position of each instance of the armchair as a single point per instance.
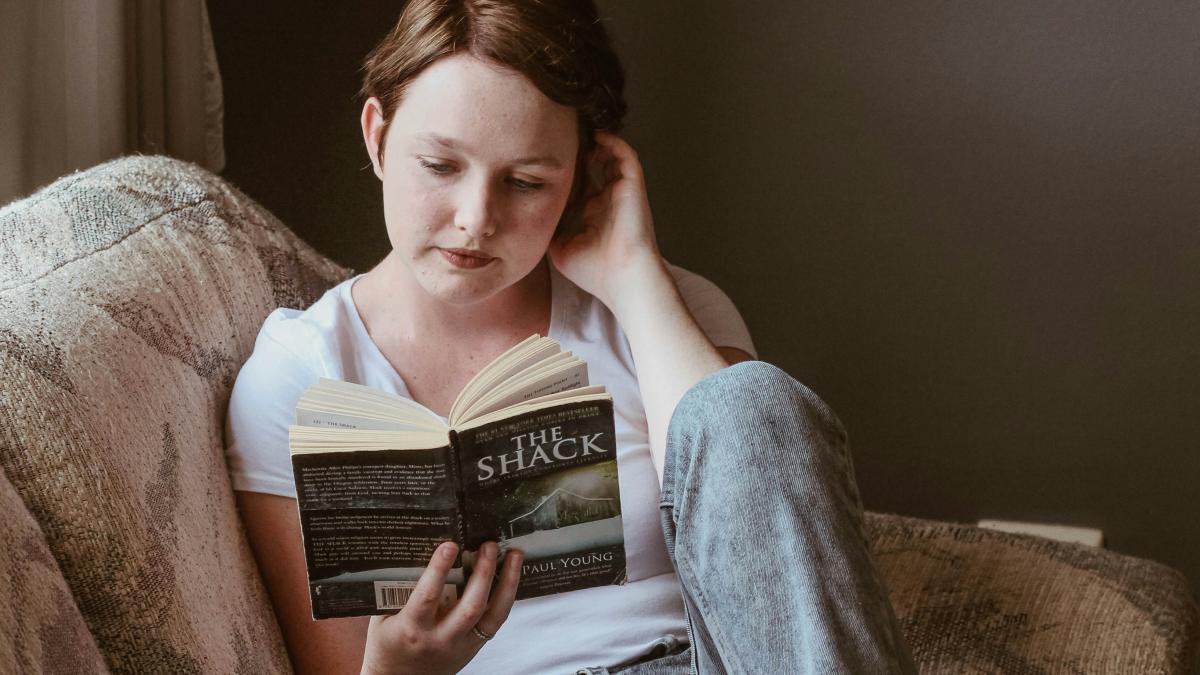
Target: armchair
(130, 294)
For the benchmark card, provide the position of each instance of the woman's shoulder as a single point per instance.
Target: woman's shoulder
(691, 284)
(309, 333)
(582, 316)
(294, 348)
(711, 307)
(713, 310)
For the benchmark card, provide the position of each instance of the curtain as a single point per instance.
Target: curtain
(84, 81)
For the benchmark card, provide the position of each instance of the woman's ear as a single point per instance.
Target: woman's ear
(372, 129)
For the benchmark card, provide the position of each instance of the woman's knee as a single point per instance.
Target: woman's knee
(756, 409)
(754, 394)
(752, 434)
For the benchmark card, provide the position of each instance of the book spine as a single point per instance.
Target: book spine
(456, 476)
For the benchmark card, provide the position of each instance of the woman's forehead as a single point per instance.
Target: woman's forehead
(463, 103)
(456, 145)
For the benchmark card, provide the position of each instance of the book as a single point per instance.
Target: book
(526, 457)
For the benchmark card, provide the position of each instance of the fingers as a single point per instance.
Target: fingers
(620, 157)
(612, 142)
(474, 599)
(474, 610)
(504, 594)
(423, 604)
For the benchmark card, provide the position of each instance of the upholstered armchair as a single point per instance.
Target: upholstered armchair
(129, 296)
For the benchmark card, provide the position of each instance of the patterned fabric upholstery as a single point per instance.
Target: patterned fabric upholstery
(41, 629)
(979, 601)
(129, 296)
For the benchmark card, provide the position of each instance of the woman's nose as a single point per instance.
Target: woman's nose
(475, 212)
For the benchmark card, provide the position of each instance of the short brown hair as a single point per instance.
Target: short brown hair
(560, 45)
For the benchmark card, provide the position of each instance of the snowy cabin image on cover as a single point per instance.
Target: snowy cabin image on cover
(560, 509)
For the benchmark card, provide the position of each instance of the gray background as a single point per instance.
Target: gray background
(971, 227)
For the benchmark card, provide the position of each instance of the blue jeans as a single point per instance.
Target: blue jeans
(764, 523)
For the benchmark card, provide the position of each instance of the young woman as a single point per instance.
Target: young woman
(745, 548)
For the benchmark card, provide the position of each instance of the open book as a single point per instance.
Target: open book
(527, 459)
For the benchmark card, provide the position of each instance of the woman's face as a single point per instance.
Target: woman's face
(476, 170)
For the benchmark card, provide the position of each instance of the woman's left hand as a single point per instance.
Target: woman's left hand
(616, 259)
(616, 248)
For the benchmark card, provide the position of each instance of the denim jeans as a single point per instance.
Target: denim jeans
(764, 523)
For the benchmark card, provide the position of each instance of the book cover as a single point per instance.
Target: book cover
(529, 461)
(546, 483)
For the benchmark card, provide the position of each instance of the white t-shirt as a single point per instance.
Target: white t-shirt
(551, 634)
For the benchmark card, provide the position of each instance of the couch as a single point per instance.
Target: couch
(130, 293)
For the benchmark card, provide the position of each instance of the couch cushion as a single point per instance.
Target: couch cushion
(41, 629)
(979, 601)
(129, 296)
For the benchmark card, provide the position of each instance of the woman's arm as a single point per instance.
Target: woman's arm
(425, 637)
(672, 353)
(331, 646)
(616, 259)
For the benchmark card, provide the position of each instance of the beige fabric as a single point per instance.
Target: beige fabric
(83, 82)
(130, 294)
(41, 629)
(979, 601)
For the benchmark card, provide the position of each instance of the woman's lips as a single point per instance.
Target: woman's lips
(464, 258)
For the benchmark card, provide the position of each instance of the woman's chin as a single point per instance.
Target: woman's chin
(461, 292)
(443, 283)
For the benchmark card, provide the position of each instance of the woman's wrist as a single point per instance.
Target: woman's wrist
(372, 667)
(630, 289)
(368, 669)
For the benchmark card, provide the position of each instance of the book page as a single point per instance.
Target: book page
(583, 394)
(528, 353)
(336, 395)
(562, 376)
(331, 438)
(356, 420)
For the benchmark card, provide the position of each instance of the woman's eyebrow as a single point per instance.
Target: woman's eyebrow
(452, 144)
(439, 140)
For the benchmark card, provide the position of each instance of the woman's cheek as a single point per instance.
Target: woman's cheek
(546, 214)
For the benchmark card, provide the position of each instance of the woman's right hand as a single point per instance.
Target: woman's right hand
(427, 637)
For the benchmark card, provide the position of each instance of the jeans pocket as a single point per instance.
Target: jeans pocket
(666, 656)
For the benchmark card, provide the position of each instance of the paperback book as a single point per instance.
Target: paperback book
(526, 458)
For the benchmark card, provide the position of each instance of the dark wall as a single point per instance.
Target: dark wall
(972, 228)
(292, 138)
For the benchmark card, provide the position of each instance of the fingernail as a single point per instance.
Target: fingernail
(448, 549)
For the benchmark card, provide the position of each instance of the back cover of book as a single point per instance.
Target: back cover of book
(371, 519)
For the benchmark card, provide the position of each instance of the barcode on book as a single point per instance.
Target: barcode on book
(395, 594)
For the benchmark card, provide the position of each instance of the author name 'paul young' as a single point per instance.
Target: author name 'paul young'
(539, 448)
(567, 562)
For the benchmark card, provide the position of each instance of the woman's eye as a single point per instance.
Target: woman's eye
(524, 185)
(434, 166)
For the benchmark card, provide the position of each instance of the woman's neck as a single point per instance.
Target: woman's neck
(397, 310)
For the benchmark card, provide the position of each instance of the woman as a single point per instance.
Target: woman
(483, 120)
